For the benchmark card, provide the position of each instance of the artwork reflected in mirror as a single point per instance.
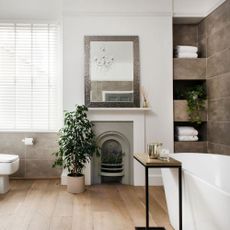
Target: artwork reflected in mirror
(112, 71)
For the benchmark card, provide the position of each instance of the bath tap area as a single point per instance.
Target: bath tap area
(114, 114)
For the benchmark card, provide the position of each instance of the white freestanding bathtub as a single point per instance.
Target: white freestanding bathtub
(206, 191)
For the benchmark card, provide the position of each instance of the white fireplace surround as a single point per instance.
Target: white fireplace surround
(135, 115)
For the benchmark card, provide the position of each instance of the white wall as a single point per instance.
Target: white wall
(154, 28)
(31, 9)
(114, 6)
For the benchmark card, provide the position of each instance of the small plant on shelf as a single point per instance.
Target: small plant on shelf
(195, 97)
(113, 158)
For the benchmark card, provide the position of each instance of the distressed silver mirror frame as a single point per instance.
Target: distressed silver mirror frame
(136, 71)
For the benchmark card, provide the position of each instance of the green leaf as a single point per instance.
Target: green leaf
(77, 141)
(196, 96)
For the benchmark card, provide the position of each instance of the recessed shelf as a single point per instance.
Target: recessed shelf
(180, 87)
(201, 128)
(180, 111)
(189, 68)
(190, 146)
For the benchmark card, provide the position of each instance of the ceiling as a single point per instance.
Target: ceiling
(194, 10)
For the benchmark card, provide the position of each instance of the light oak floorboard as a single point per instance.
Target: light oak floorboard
(46, 205)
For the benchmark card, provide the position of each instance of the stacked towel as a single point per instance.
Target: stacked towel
(186, 133)
(186, 52)
(187, 138)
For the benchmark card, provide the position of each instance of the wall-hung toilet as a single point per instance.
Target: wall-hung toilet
(9, 164)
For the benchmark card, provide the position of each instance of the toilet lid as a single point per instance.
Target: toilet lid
(7, 158)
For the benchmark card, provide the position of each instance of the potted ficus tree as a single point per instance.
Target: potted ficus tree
(77, 144)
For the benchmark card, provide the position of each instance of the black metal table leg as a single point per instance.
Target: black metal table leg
(180, 197)
(147, 196)
(147, 205)
(143, 159)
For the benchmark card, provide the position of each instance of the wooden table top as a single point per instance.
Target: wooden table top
(144, 159)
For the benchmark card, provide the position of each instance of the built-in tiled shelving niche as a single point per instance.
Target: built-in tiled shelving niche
(188, 72)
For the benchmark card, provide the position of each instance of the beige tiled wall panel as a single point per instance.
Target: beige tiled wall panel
(180, 111)
(219, 41)
(193, 147)
(219, 86)
(185, 35)
(202, 40)
(217, 30)
(219, 110)
(218, 132)
(218, 19)
(11, 143)
(186, 68)
(219, 63)
(40, 169)
(36, 160)
(218, 148)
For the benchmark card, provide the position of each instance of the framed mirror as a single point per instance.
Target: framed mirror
(112, 71)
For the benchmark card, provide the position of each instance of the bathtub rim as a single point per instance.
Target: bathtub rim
(219, 188)
(226, 193)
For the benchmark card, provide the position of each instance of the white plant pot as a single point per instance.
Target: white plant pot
(76, 184)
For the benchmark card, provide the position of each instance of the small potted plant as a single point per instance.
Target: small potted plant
(195, 97)
(77, 144)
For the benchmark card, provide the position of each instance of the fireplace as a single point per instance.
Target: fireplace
(135, 116)
(115, 162)
(112, 168)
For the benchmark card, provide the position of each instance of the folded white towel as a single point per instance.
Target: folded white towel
(186, 131)
(187, 49)
(187, 138)
(185, 128)
(186, 55)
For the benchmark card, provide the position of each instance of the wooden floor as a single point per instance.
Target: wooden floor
(45, 204)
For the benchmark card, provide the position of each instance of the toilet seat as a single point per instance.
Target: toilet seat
(9, 164)
(7, 158)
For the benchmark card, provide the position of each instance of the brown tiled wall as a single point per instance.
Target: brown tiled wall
(180, 111)
(214, 38)
(185, 35)
(189, 69)
(36, 160)
(186, 147)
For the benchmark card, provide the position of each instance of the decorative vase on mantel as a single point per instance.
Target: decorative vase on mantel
(145, 103)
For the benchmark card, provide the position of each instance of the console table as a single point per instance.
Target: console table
(143, 158)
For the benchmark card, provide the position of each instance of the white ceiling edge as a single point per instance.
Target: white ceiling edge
(187, 20)
(195, 17)
(214, 7)
(116, 6)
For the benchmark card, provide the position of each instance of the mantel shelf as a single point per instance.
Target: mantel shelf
(118, 109)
